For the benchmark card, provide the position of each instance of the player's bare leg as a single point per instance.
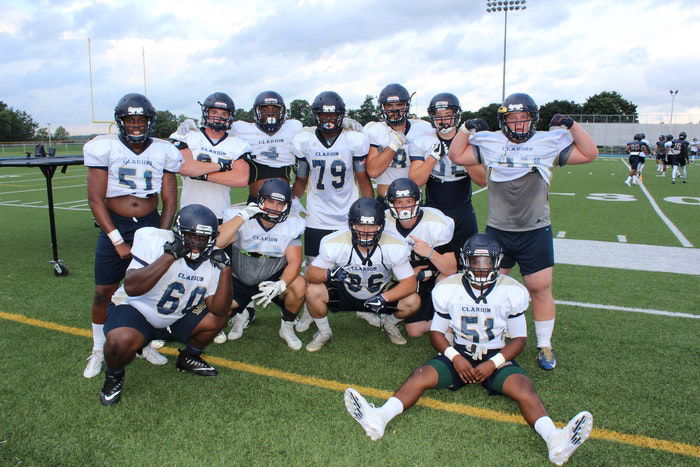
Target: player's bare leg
(406, 307)
(317, 304)
(100, 302)
(190, 358)
(539, 284)
(293, 300)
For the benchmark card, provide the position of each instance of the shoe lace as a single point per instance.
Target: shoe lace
(547, 353)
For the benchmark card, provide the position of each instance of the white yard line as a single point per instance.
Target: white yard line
(624, 308)
(41, 189)
(679, 235)
(479, 191)
(622, 239)
(562, 194)
(19, 205)
(561, 234)
(41, 179)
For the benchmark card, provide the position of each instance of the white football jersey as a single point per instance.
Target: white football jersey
(434, 228)
(177, 292)
(508, 161)
(254, 238)
(271, 150)
(139, 175)
(368, 275)
(444, 169)
(672, 149)
(693, 146)
(215, 196)
(484, 323)
(332, 187)
(378, 134)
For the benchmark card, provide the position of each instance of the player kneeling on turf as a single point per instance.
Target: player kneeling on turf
(353, 273)
(479, 306)
(172, 274)
(266, 258)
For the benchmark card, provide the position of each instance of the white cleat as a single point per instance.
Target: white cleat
(94, 364)
(240, 322)
(157, 344)
(287, 334)
(304, 321)
(366, 414)
(393, 331)
(372, 318)
(627, 182)
(563, 442)
(153, 356)
(320, 339)
(220, 338)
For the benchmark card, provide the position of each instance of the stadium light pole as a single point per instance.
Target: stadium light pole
(505, 6)
(49, 125)
(673, 100)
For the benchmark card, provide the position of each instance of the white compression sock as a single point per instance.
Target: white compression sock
(391, 408)
(543, 331)
(98, 337)
(544, 426)
(322, 324)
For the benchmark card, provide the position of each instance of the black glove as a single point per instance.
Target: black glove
(175, 248)
(424, 274)
(376, 304)
(200, 177)
(561, 120)
(225, 165)
(220, 259)
(477, 125)
(338, 275)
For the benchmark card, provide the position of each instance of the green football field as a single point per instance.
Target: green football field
(626, 341)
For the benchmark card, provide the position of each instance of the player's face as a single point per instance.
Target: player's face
(196, 243)
(135, 125)
(518, 122)
(328, 120)
(273, 207)
(366, 232)
(404, 206)
(393, 110)
(268, 112)
(444, 119)
(216, 115)
(480, 266)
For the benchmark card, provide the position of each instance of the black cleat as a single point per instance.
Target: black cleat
(111, 392)
(194, 364)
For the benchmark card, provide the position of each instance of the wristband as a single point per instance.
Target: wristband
(432, 250)
(498, 359)
(451, 353)
(115, 237)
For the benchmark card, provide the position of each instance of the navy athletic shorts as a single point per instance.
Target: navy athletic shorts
(533, 250)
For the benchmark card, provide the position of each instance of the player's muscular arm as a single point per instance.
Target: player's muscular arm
(364, 184)
(139, 281)
(461, 152)
(219, 304)
(378, 162)
(419, 171)
(97, 191)
(228, 231)
(299, 186)
(168, 194)
(403, 289)
(193, 168)
(585, 150)
(237, 177)
(316, 275)
(462, 366)
(478, 174)
(512, 349)
(294, 256)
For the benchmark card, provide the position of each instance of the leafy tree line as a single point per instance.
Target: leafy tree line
(17, 125)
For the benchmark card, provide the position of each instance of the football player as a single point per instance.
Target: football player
(353, 273)
(661, 156)
(479, 306)
(270, 140)
(176, 288)
(448, 186)
(387, 159)
(520, 161)
(635, 149)
(428, 232)
(126, 172)
(213, 160)
(677, 153)
(693, 150)
(266, 258)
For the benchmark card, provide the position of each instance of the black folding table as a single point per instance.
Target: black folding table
(48, 166)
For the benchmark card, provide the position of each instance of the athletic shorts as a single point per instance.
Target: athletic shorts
(242, 293)
(533, 250)
(634, 162)
(465, 223)
(109, 267)
(312, 240)
(426, 310)
(339, 299)
(126, 316)
(260, 171)
(449, 378)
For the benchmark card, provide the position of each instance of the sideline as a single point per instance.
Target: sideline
(598, 433)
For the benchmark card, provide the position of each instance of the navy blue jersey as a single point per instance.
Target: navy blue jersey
(660, 147)
(680, 147)
(637, 147)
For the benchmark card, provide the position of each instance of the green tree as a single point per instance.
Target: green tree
(42, 134)
(368, 112)
(244, 115)
(548, 110)
(300, 109)
(15, 125)
(61, 134)
(166, 123)
(488, 113)
(610, 103)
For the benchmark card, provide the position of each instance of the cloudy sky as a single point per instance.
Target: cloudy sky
(556, 50)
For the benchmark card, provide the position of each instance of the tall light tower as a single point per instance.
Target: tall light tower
(673, 100)
(49, 131)
(504, 6)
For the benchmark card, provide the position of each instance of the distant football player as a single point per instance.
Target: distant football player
(266, 258)
(677, 153)
(479, 307)
(213, 160)
(270, 140)
(448, 186)
(387, 159)
(176, 288)
(661, 156)
(126, 172)
(353, 272)
(693, 150)
(428, 232)
(635, 149)
(520, 161)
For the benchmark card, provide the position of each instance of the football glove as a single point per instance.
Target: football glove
(561, 120)
(225, 165)
(436, 152)
(250, 211)
(474, 125)
(176, 248)
(220, 259)
(200, 177)
(351, 124)
(184, 128)
(376, 304)
(268, 291)
(339, 274)
(424, 274)
(396, 140)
